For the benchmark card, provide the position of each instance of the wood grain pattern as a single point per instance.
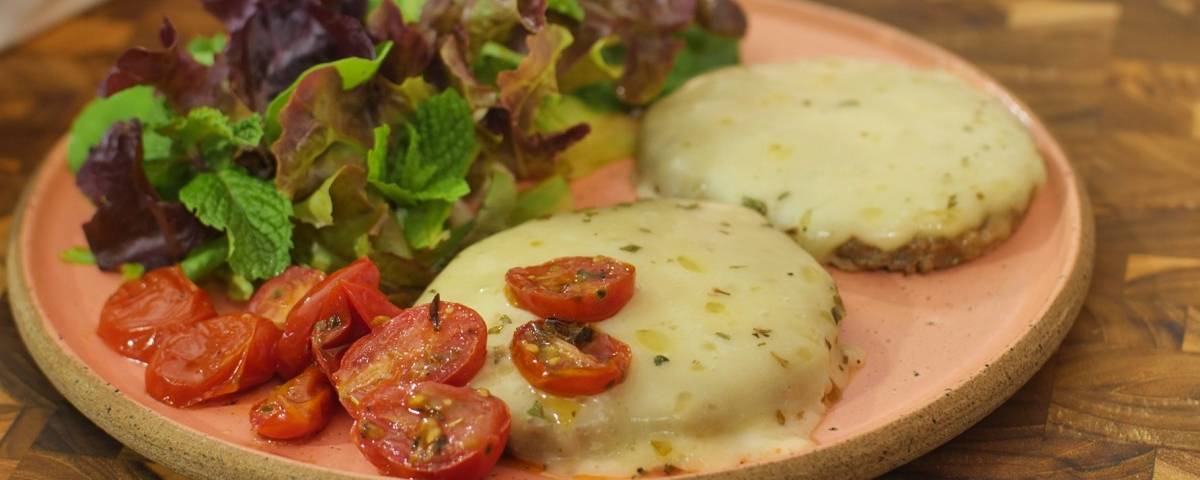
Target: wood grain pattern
(1118, 81)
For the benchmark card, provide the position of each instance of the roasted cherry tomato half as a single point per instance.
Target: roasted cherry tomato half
(296, 409)
(568, 359)
(276, 297)
(370, 305)
(432, 431)
(213, 358)
(577, 289)
(143, 312)
(439, 342)
(325, 300)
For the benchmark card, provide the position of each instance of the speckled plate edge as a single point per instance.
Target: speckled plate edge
(866, 455)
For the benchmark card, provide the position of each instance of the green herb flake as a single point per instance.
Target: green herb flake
(536, 410)
(724, 335)
(762, 332)
(660, 359)
(505, 321)
(631, 248)
(77, 255)
(755, 204)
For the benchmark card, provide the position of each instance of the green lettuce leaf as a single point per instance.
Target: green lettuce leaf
(493, 59)
(205, 49)
(440, 147)
(522, 92)
(411, 9)
(425, 223)
(353, 71)
(253, 215)
(703, 52)
(140, 102)
(569, 8)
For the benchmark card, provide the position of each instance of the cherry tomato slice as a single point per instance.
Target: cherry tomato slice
(578, 289)
(432, 431)
(370, 305)
(143, 312)
(449, 347)
(213, 358)
(568, 359)
(275, 298)
(296, 409)
(326, 299)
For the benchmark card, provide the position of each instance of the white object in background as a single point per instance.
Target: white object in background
(22, 18)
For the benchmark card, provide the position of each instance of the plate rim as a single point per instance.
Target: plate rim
(925, 428)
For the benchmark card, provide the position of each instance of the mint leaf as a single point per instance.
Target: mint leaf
(206, 134)
(253, 215)
(570, 8)
(424, 224)
(440, 147)
(205, 49)
(140, 102)
(353, 70)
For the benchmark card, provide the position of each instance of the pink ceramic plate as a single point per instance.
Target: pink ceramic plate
(942, 350)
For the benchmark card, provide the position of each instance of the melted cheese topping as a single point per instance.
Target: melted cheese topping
(739, 318)
(838, 149)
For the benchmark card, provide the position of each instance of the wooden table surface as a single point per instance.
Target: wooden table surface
(1117, 81)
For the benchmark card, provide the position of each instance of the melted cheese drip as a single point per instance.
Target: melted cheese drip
(839, 149)
(708, 276)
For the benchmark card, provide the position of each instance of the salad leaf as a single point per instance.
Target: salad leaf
(78, 255)
(481, 96)
(493, 59)
(551, 196)
(101, 114)
(352, 72)
(414, 42)
(132, 271)
(131, 223)
(569, 8)
(356, 217)
(185, 82)
(272, 42)
(721, 17)
(441, 146)
(204, 50)
(703, 53)
(202, 261)
(425, 223)
(322, 129)
(522, 92)
(254, 217)
(613, 134)
(203, 139)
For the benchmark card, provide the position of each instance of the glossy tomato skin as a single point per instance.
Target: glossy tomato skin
(142, 313)
(413, 350)
(432, 431)
(577, 289)
(213, 358)
(324, 300)
(276, 297)
(370, 305)
(296, 409)
(569, 359)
